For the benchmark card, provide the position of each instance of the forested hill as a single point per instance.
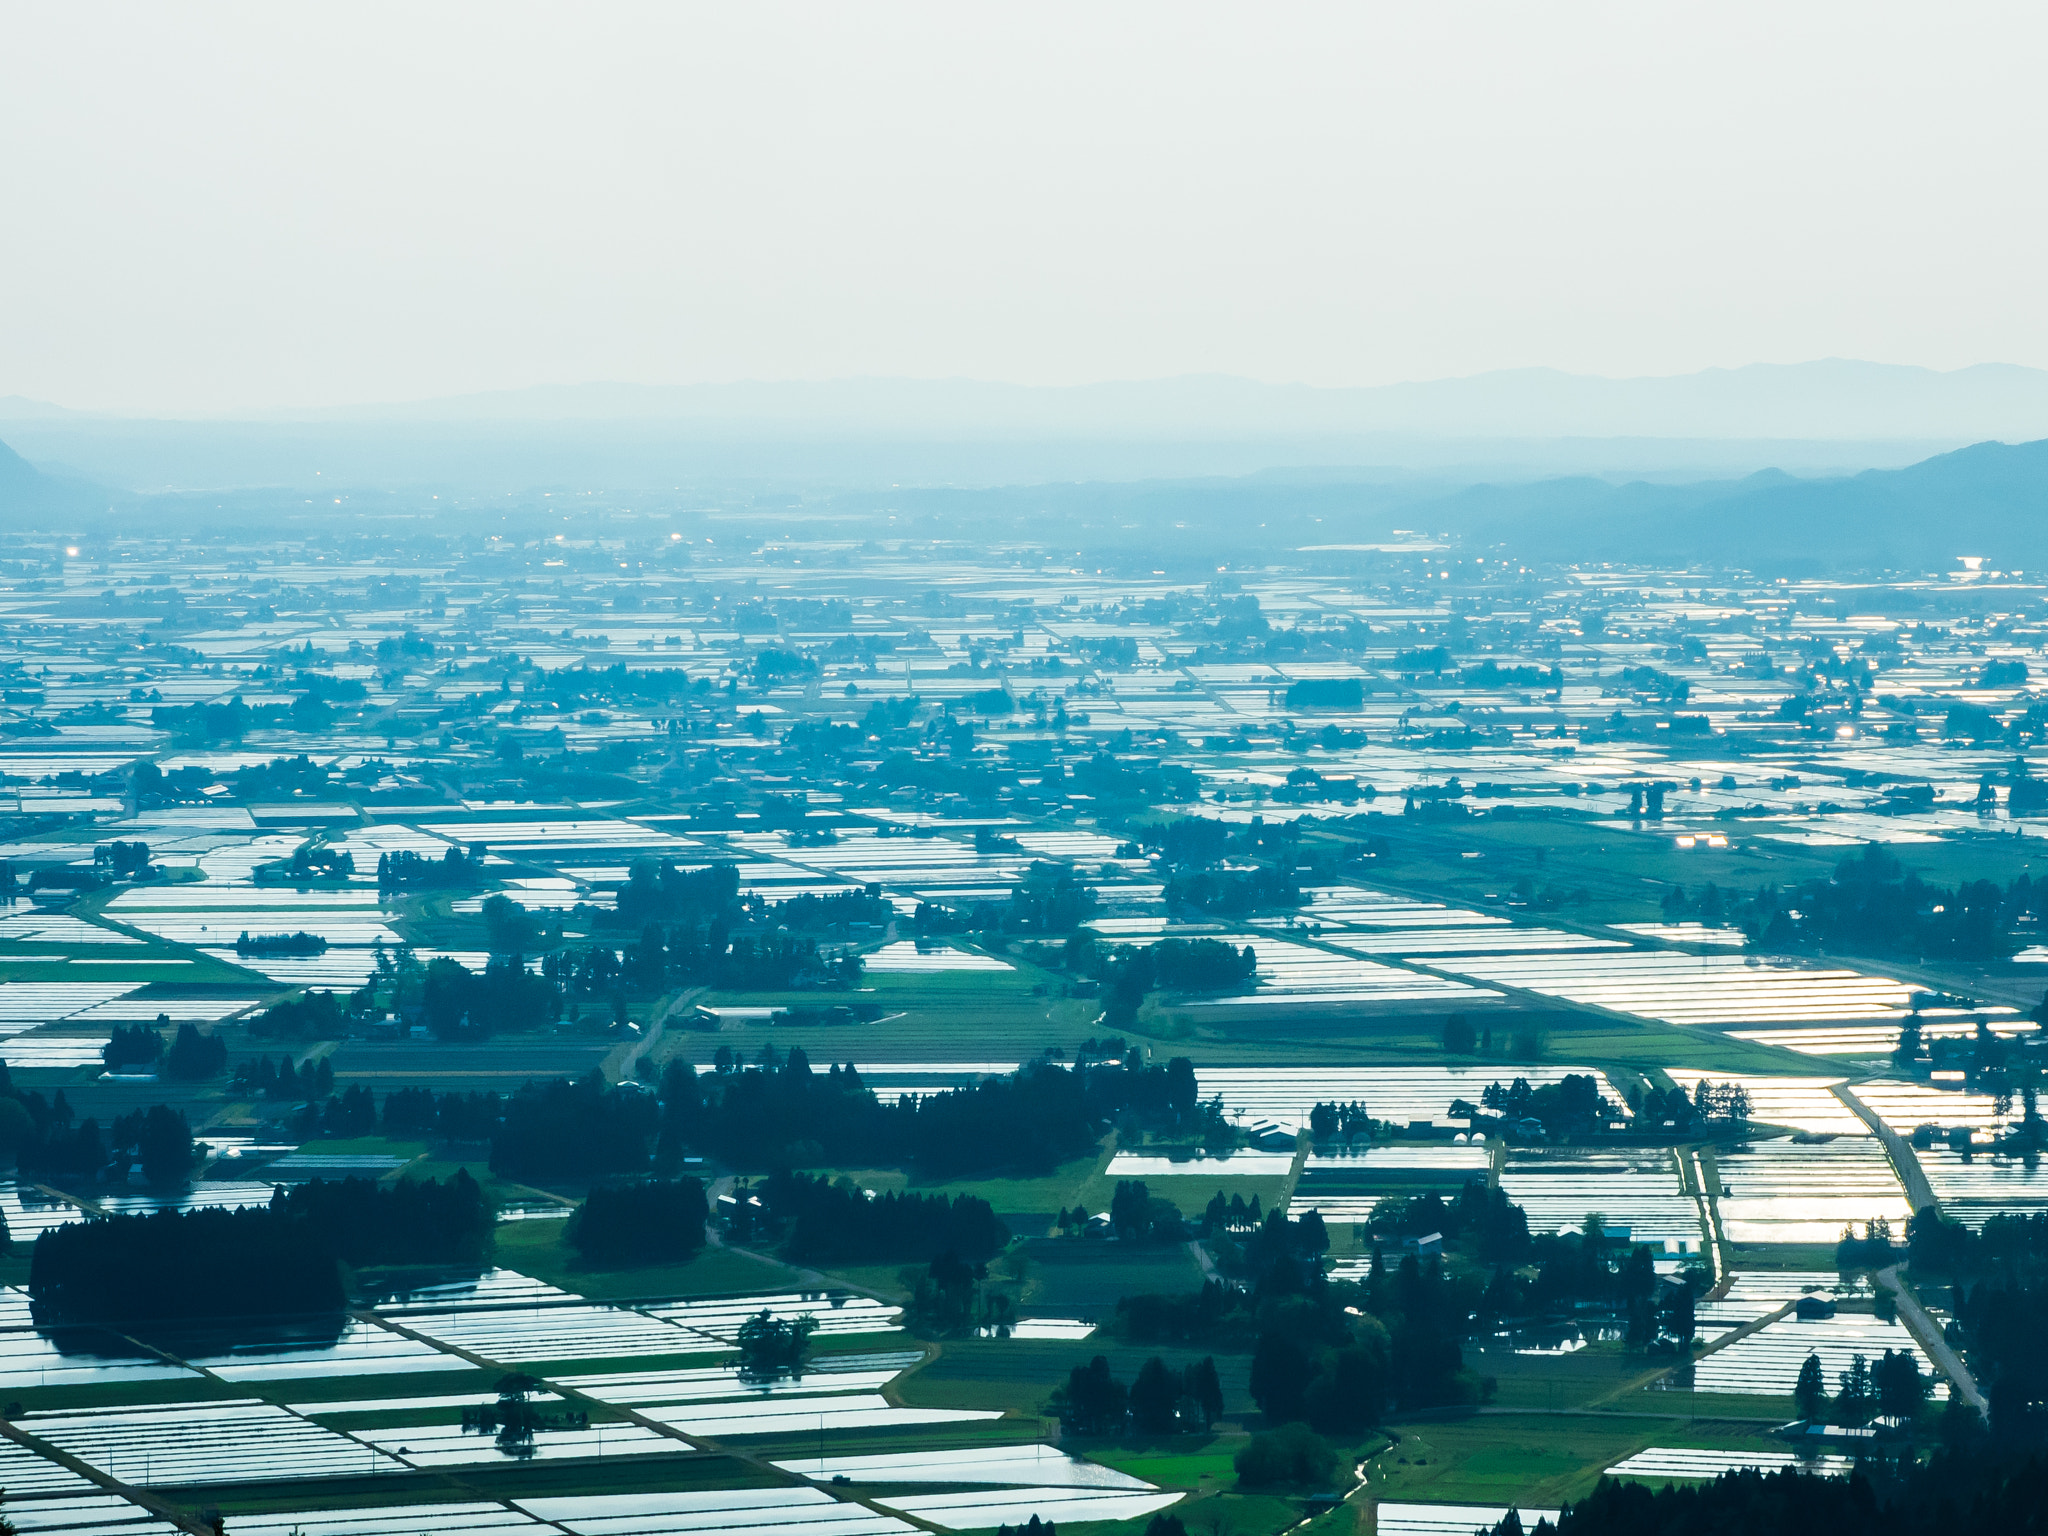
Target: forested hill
(1990, 499)
(26, 490)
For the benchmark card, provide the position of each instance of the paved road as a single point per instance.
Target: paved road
(1924, 1328)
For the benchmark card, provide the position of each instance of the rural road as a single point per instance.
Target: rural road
(1928, 1333)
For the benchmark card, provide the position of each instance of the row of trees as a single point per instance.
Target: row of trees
(827, 1219)
(1893, 1387)
(1164, 1399)
(783, 1111)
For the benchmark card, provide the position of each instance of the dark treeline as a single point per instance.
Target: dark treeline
(281, 1080)
(835, 1219)
(695, 957)
(193, 1057)
(133, 1048)
(280, 1259)
(408, 871)
(1164, 1399)
(414, 1221)
(1999, 1276)
(785, 1111)
(574, 1129)
(647, 1222)
(410, 1112)
(1049, 899)
(1973, 1490)
(51, 1145)
(1129, 972)
(181, 1264)
(1873, 905)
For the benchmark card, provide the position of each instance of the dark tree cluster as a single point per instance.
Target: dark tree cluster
(658, 892)
(571, 1129)
(1872, 905)
(275, 1260)
(459, 1004)
(194, 1057)
(410, 1112)
(1234, 893)
(1129, 972)
(405, 870)
(344, 1116)
(649, 1221)
(412, 1221)
(134, 1047)
(309, 1082)
(863, 904)
(784, 1111)
(1482, 1217)
(1164, 1399)
(309, 1016)
(180, 1264)
(837, 1220)
(2000, 1304)
(1349, 1124)
(300, 943)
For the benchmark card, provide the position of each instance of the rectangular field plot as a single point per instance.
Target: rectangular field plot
(238, 1441)
(450, 1445)
(1229, 1165)
(57, 928)
(360, 1349)
(519, 1336)
(396, 1520)
(907, 957)
(804, 1415)
(107, 1516)
(30, 1211)
(1766, 1363)
(1905, 1106)
(28, 1003)
(88, 1359)
(492, 1288)
(717, 1383)
(1010, 1466)
(1973, 1192)
(1401, 1094)
(1660, 1462)
(1346, 1186)
(1299, 973)
(24, 1474)
(1423, 942)
(1452, 1519)
(224, 1194)
(1868, 1039)
(1786, 1191)
(48, 1051)
(1697, 989)
(794, 1511)
(1686, 933)
(1756, 1294)
(1636, 1190)
(836, 1314)
(1800, 1103)
(1350, 906)
(974, 1511)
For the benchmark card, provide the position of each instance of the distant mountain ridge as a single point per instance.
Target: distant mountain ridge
(1831, 399)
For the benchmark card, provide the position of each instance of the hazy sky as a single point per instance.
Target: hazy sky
(225, 207)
